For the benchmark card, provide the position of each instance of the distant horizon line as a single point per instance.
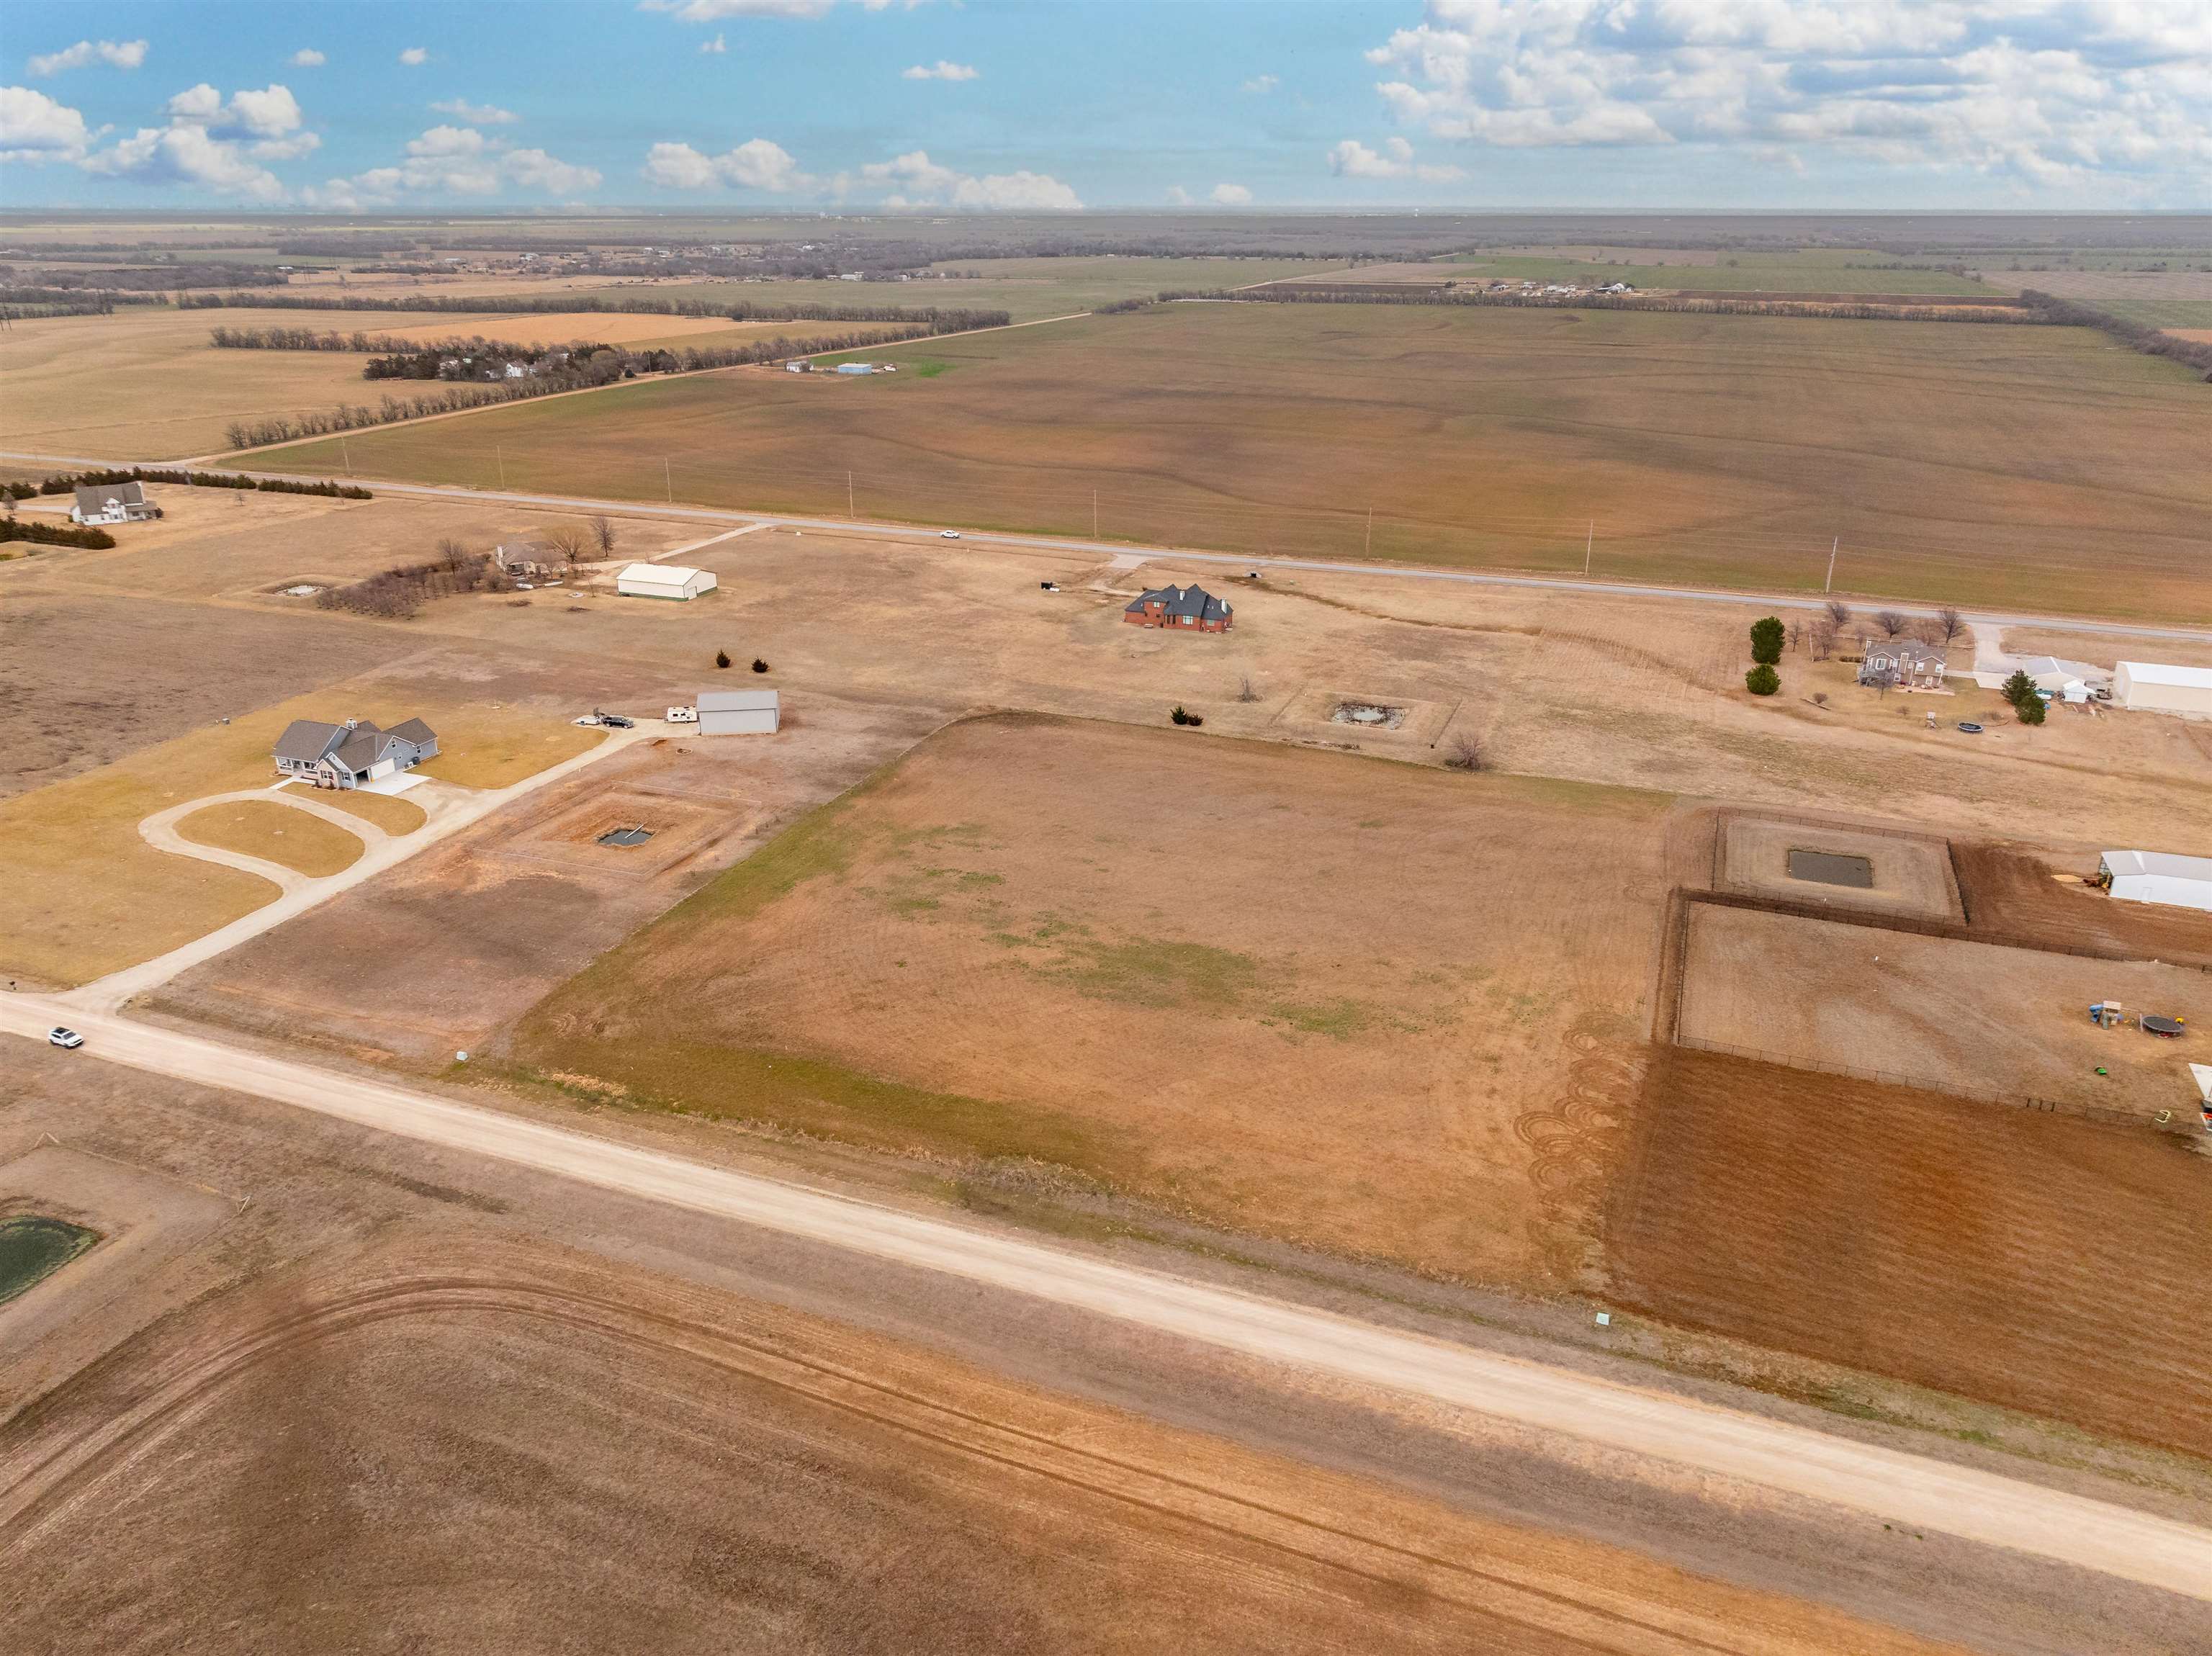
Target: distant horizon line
(1125, 209)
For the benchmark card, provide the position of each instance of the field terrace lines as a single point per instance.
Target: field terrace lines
(1958, 1501)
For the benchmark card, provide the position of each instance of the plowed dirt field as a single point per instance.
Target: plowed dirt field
(2038, 1260)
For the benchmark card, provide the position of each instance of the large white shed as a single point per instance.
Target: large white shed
(2155, 687)
(663, 581)
(737, 712)
(2159, 877)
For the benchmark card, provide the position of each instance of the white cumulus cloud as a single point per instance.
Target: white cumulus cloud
(940, 70)
(415, 57)
(308, 57)
(213, 143)
(917, 181)
(715, 48)
(455, 160)
(756, 164)
(1354, 160)
(35, 128)
(713, 11)
(1231, 195)
(476, 114)
(2086, 94)
(1260, 85)
(119, 54)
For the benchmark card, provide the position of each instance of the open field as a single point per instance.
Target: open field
(1204, 985)
(143, 383)
(91, 897)
(2032, 467)
(2156, 298)
(599, 327)
(2010, 891)
(2040, 1260)
(385, 1396)
(388, 811)
(278, 833)
(1937, 1012)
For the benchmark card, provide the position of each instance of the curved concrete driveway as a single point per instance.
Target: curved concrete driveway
(159, 831)
(450, 809)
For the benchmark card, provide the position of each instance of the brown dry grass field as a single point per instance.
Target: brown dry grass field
(1938, 1012)
(393, 815)
(1199, 971)
(275, 833)
(2010, 891)
(2039, 1260)
(2025, 466)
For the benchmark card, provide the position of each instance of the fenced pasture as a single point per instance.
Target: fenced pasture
(2031, 466)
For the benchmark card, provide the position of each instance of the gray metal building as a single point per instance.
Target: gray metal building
(737, 712)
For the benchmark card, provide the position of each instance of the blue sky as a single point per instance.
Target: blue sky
(734, 104)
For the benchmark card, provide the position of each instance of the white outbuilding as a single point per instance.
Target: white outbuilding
(663, 581)
(2158, 877)
(2154, 687)
(737, 712)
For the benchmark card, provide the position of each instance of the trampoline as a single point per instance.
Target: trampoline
(2169, 1027)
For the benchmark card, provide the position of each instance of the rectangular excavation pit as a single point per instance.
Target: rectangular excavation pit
(1831, 868)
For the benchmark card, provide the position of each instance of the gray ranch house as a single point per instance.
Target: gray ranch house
(112, 503)
(354, 754)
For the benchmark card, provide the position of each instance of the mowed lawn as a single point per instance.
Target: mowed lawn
(1982, 463)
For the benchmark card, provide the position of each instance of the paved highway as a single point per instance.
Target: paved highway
(1179, 555)
(1896, 1487)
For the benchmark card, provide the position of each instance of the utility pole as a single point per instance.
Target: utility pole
(1094, 514)
(1590, 541)
(346, 449)
(1370, 552)
(851, 511)
(1831, 580)
(501, 451)
(668, 480)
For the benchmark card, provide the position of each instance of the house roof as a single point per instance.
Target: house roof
(2152, 672)
(308, 740)
(735, 701)
(94, 497)
(1180, 601)
(2163, 862)
(1906, 649)
(415, 731)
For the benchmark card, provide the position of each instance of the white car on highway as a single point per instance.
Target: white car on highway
(64, 1038)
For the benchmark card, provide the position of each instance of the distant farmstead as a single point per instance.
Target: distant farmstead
(1180, 606)
(352, 754)
(112, 503)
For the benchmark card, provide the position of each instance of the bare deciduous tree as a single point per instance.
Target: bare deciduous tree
(1840, 613)
(1892, 622)
(568, 541)
(1797, 634)
(1883, 679)
(1949, 624)
(1244, 690)
(1467, 753)
(602, 532)
(452, 553)
(1824, 639)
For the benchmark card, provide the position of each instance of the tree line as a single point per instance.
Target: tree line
(934, 319)
(2152, 342)
(63, 482)
(1318, 294)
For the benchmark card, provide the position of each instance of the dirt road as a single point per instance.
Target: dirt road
(1970, 1504)
(1180, 556)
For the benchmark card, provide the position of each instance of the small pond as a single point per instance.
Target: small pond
(33, 1247)
(1832, 868)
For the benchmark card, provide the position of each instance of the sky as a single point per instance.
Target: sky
(931, 105)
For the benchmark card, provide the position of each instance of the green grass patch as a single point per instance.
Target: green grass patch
(1156, 973)
(1339, 1019)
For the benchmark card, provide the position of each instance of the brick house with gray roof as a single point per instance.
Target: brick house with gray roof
(352, 755)
(1180, 606)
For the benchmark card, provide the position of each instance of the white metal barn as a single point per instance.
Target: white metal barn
(663, 581)
(737, 712)
(2159, 877)
(2154, 687)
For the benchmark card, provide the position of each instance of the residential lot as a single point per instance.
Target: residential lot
(2032, 467)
